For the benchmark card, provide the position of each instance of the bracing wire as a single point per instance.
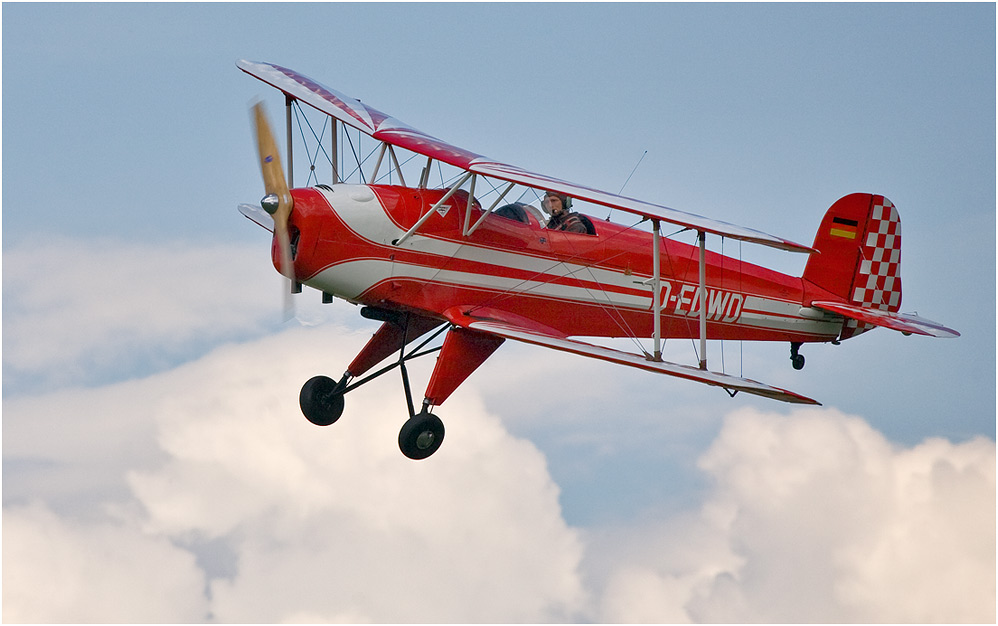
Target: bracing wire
(313, 155)
(627, 181)
(632, 172)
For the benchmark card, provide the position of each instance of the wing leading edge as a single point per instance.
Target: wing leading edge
(390, 130)
(527, 333)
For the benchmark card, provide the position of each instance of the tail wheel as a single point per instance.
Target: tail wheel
(421, 435)
(320, 401)
(796, 358)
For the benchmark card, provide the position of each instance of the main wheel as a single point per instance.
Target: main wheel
(797, 361)
(319, 401)
(421, 436)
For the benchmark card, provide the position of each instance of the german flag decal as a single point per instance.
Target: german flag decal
(842, 227)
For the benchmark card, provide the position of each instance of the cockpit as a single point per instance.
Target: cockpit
(519, 212)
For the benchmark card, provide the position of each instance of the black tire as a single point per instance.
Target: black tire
(421, 436)
(798, 361)
(320, 404)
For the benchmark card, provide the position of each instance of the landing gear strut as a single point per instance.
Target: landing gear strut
(796, 358)
(321, 398)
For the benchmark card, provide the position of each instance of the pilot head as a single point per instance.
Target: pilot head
(556, 203)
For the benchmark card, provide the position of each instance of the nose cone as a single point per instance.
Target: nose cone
(305, 226)
(270, 203)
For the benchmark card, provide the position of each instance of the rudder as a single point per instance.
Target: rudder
(859, 241)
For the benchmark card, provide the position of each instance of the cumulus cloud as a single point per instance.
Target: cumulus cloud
(320, 524)
(816, 517)
(56, 570)
(203, 492)
(79, 311)
(249, 513)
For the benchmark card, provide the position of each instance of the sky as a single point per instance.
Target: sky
(156, 467)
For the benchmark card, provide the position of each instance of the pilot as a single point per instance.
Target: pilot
(557, 206)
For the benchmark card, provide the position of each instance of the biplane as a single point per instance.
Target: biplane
(473, 259)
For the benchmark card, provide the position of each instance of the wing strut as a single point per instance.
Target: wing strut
(387, 147)
(471, 203)
(377, 164)
(702, 236)
(288, 101)
(656, 285)
(486, 213)
(391, 151)
(425, 178)
(334, 156)
(433, 209)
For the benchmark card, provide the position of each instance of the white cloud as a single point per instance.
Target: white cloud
(809, 517)
(76, 310)
(326, 524)
(816, 517)
(208, 475)
(56, 570)
(336, 524)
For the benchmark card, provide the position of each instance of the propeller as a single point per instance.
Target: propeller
(278, 202)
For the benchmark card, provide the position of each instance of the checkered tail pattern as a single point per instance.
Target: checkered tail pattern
(877, 284)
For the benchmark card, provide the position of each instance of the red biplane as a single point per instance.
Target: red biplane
(472, 259)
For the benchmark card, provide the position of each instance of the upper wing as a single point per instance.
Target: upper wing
(504, 325)
(388, 129)
(904, 322)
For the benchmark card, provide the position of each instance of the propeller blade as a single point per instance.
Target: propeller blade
(276, 186)
(284, 245)
(270, 164)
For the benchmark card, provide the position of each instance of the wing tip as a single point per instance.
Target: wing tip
(772, 393)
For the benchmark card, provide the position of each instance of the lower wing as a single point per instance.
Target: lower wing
(502, 325)
(257, 215)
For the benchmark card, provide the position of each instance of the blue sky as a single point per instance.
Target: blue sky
(128, 274)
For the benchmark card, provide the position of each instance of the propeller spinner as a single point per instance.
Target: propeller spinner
(278, 202)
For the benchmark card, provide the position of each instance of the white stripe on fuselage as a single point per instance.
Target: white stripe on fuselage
(359, 209)
(353, 278)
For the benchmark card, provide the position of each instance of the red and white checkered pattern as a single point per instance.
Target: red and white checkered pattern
(878, 282)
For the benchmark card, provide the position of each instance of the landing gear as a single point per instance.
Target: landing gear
(421, 435)
(463, 350)
(321, 400)
(796, 358)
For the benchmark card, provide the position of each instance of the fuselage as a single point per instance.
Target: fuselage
(345, 244)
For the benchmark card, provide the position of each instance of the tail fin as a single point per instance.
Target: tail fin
(859, 241)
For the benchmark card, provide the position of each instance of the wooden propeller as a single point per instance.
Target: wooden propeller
(278, 201)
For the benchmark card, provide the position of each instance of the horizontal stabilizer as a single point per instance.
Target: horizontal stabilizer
(731, 383)
(903, 322)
